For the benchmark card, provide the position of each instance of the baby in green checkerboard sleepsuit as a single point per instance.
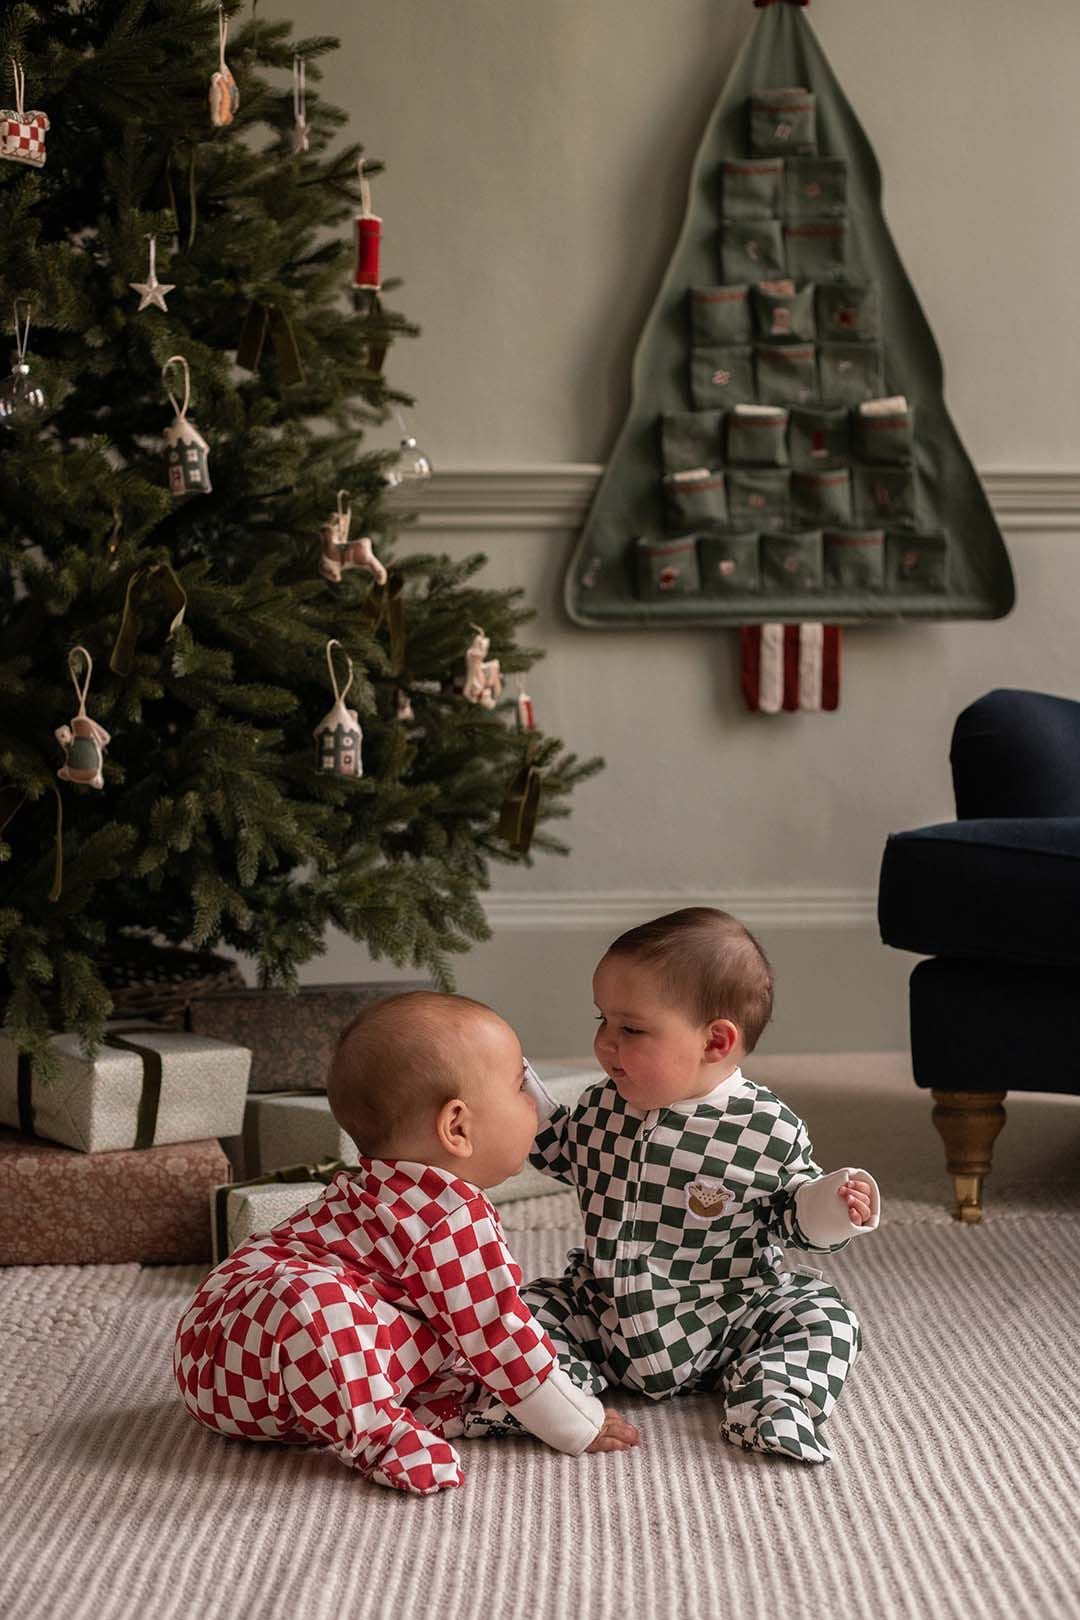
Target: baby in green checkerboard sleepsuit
(692, 1181)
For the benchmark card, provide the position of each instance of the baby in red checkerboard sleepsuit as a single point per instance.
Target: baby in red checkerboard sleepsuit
(370, 1321)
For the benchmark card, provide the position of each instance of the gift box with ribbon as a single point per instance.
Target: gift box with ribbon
(282, 1125)
(144, 1086)
(59, 1208)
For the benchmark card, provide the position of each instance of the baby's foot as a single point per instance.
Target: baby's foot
(421, 1470)
(787, 1427)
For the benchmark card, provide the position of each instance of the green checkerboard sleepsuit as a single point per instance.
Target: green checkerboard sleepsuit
(681, 1284)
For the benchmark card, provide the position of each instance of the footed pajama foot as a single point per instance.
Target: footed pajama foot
(420, 1464)
(783, 1427)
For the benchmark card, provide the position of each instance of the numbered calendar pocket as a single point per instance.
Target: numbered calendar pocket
(821, 497)
(854, 559)
(694, 499)
(783, 121)
(751, 250)
(752, 188)
(815, 187)
(885, 429)
(691, 439)
(782, 313)
(757, 499)
(758, 434)
(729, 562)
(917, 561)
(848, 312)
(819, 437)
(850, 372)
(721, 376)
(815, 249)
(667, 568)
(786, 373)
(791, 560)
(885, 495)
(719, 315)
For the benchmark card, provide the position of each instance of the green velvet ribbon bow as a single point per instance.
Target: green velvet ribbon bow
(323, 1172)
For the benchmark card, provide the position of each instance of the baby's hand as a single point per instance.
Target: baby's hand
(615, 1435)
(856, 1195)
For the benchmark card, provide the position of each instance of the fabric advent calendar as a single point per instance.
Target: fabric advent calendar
(788, 456)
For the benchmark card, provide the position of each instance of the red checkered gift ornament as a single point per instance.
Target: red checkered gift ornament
(22, 134)
(187, 454)
(338, 735)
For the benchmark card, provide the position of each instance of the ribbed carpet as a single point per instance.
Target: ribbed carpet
(952, 1495)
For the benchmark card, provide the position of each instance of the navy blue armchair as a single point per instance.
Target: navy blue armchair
(993, 901)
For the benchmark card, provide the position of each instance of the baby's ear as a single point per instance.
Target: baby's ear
(453, 1127)
(722, 1038)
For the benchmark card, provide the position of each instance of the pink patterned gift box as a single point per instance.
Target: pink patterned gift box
(62, 1208)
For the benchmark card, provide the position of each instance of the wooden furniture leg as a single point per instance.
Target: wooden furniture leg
(968, 1122)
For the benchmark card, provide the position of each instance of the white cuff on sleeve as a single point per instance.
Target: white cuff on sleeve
(545, 1102)
(823, 1216)
(560, 1414)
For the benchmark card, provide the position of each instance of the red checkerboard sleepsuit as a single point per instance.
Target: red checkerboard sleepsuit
(368, 1322)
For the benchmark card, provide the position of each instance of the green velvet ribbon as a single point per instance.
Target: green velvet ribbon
(323, 1172)
(149, 1100)
(267, 319)
(140, 583)
(387, 602)
(517, 818)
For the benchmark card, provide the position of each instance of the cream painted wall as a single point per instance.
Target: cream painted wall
(539, 155)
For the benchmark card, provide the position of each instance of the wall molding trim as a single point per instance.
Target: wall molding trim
(557, 496)
(613, 911)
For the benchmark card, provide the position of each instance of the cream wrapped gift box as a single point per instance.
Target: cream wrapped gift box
(143, 1087)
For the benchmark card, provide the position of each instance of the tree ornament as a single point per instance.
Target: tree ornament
(411, 466)
(338, 735)
(405, 711)
(517, 816)
(22, 134)
(19, 396)
(152, 291)
(224, 96)
(84, 742)
(368, 238)
(526, 714)
(187, 454)
(301, 134)
(339, 552)
(483, 678)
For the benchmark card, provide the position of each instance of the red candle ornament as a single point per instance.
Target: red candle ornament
(368, 239)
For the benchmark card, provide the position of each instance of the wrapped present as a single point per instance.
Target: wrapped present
(291, 1037)
(298, 1128)
(144, 1087)
(60, 1208)
(239, 1210)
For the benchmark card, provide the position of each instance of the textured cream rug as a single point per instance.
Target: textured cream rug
(952, 1494)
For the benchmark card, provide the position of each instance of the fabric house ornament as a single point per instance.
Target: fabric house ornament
(187, 454)
(22, 134)
(338, 737)
(845, 331)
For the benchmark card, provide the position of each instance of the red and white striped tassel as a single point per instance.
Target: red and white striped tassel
(791, 667)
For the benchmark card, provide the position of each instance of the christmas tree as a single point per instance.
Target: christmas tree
(174, 795)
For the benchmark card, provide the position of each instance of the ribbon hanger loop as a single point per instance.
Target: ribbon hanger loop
(80, 691)
(343, 692)
(178, 360)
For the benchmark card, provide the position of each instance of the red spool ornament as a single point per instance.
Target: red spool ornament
(368, 239)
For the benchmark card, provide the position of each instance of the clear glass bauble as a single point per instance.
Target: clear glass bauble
(410, 467)
(20, 396)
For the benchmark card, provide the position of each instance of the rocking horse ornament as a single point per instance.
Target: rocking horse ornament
(483, 678)
(338, 552)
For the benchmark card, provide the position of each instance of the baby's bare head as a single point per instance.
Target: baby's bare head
(399, 1062)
